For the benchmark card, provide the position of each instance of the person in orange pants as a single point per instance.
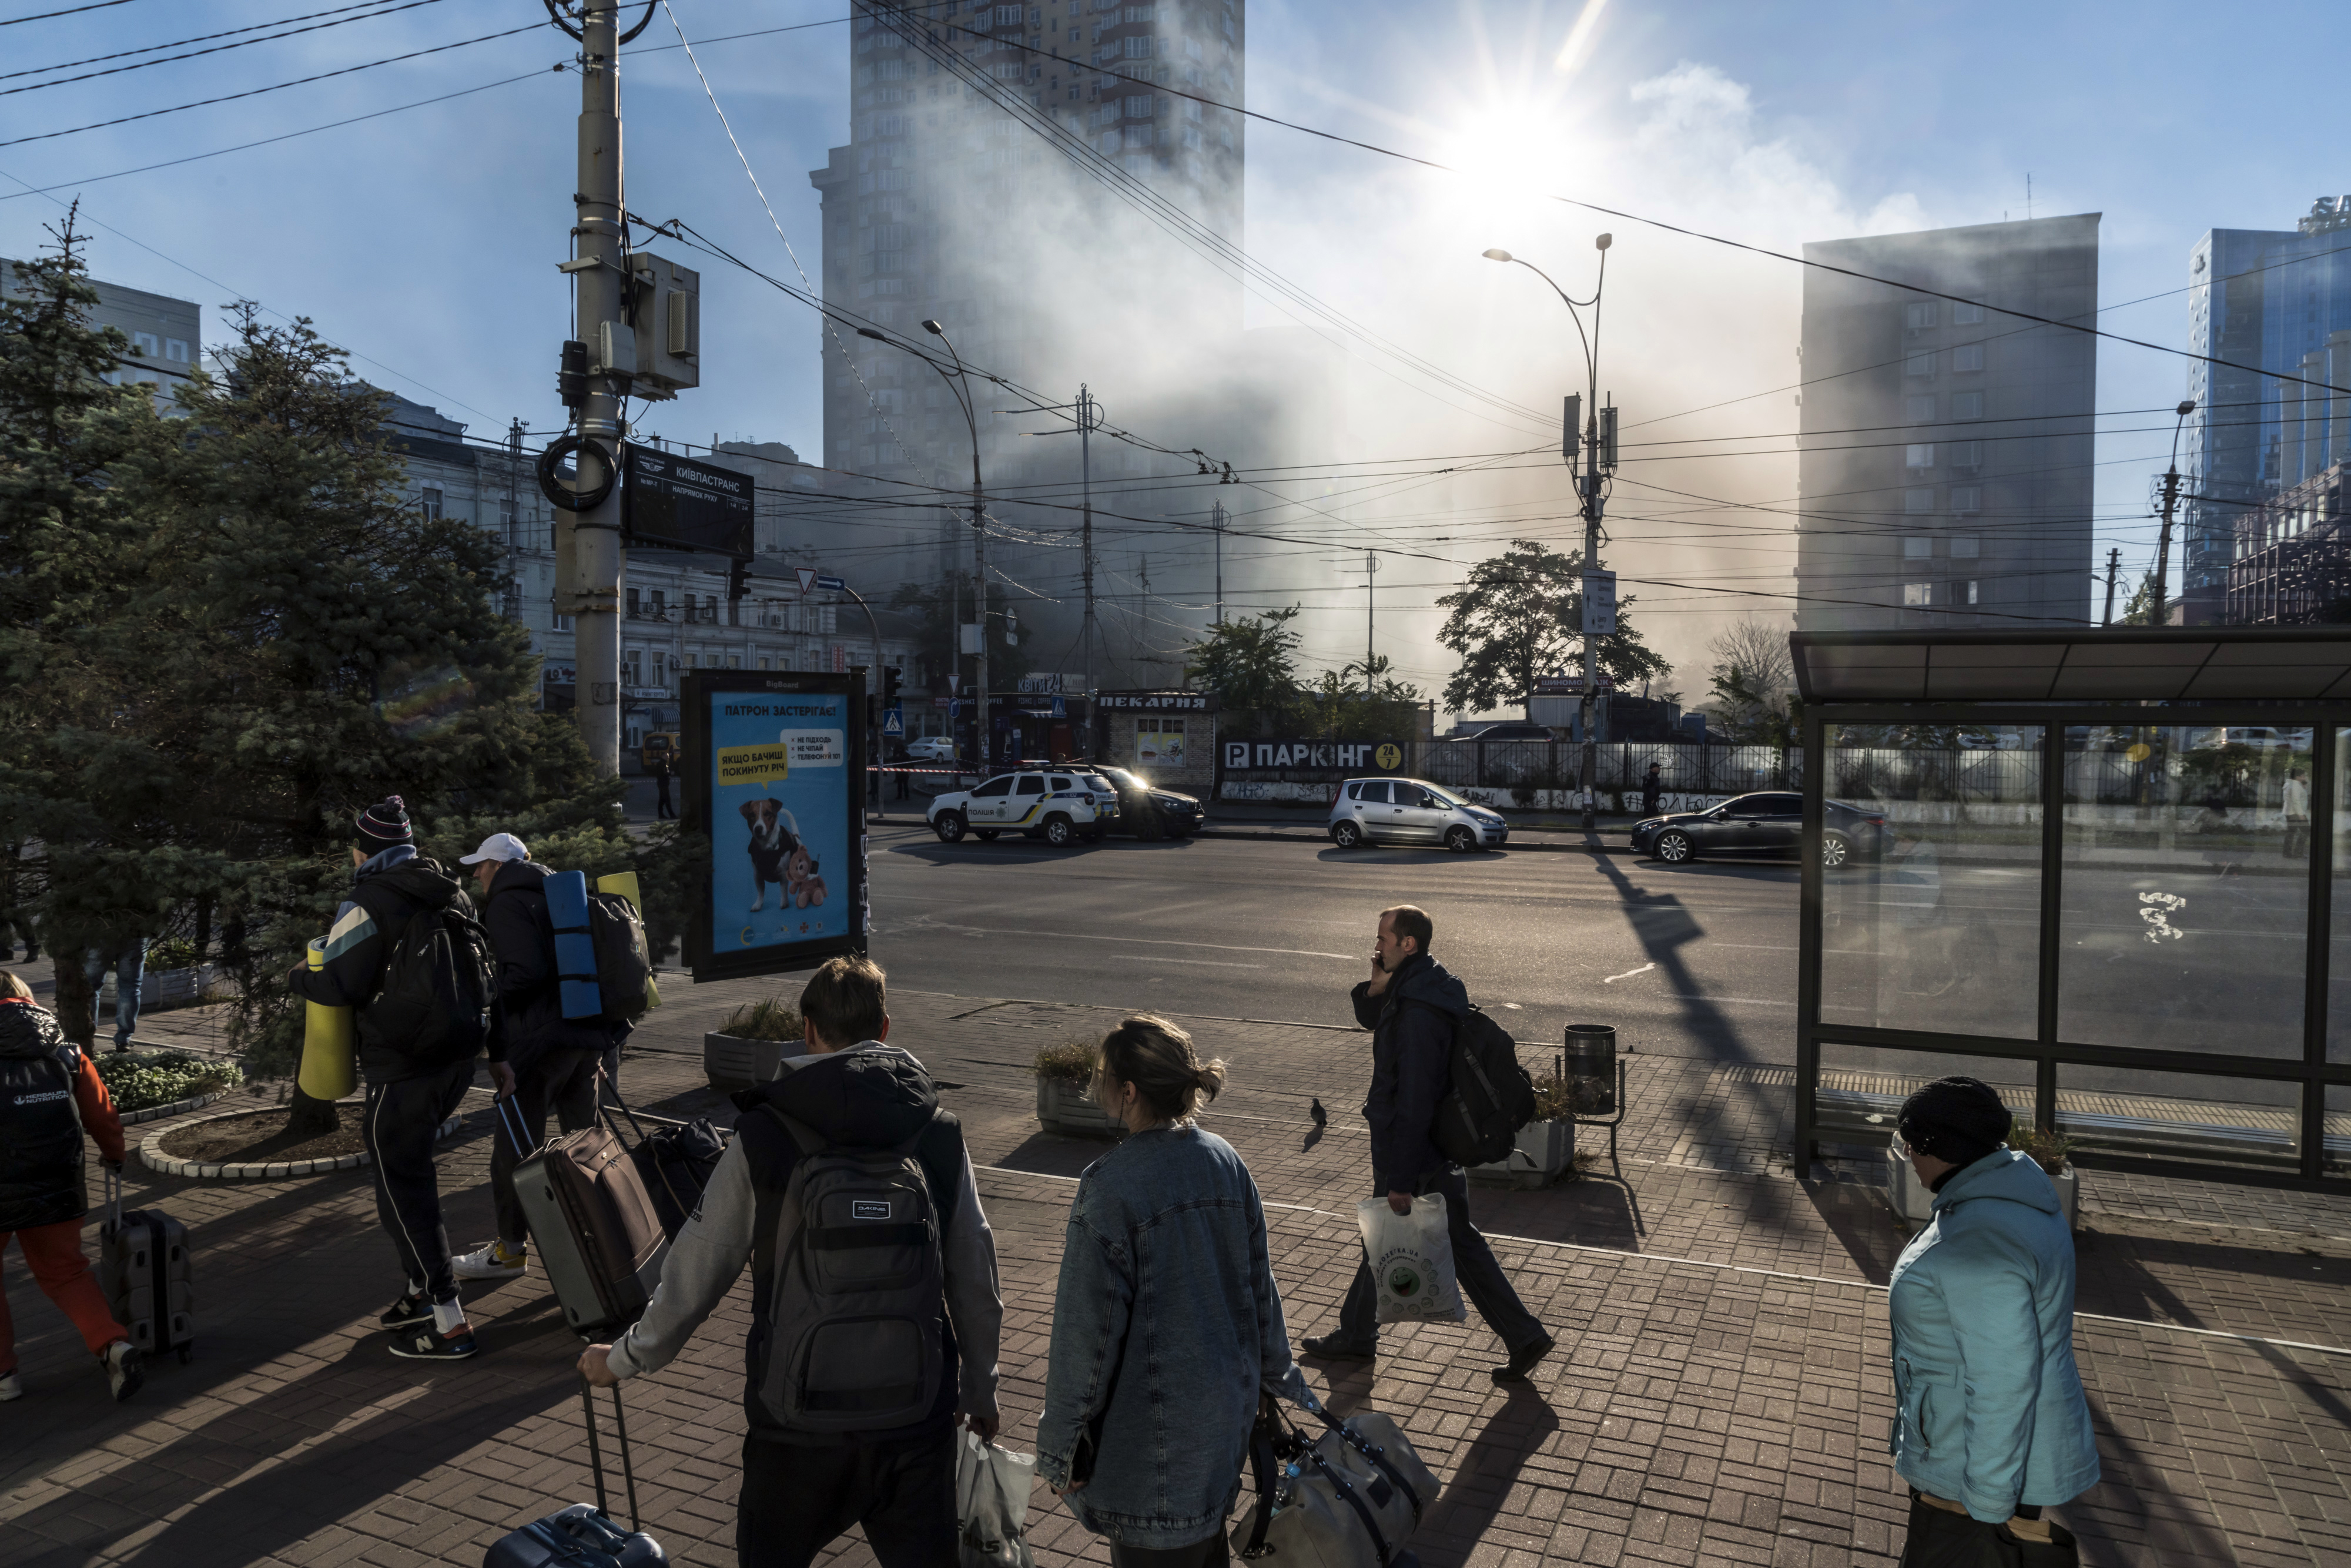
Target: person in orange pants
(49, 1094)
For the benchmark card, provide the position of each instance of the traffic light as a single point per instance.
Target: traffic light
(738, 581)
(889, 688)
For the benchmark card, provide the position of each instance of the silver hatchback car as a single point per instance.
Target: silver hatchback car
(1412, 811)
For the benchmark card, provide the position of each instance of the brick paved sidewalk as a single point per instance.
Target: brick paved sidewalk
(1719, 1395)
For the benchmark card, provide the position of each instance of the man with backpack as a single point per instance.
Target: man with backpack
(876, 1312)
(1413, 1008)
(555, 1060)
(407, 955)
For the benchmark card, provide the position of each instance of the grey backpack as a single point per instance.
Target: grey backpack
(858, 1302)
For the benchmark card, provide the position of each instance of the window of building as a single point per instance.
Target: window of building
(429, 503)
(1918, 454)
(1965, 547)
(1918, 498)
(1920, 409)
(734, 660)
(1965, 592)
(1966, 405)
(635, 610)
(1967, 315)
(1921, 363)
(1968, 357)
(1965, 454)
(1918, 547)
(1917, 595)
(632, 667)
(1918, 314)
(146, 345)
(561, 622)
(176, 349)
(660, 607)
(1967, 498)
(710, 608)
(1137, 106)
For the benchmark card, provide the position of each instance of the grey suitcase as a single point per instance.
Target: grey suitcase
(596, 1229)
(143, 1268)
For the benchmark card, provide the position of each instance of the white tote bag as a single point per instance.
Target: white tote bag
(992, 1505)
(1411, 1260)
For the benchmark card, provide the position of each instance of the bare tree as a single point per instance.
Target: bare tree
(1751, 679)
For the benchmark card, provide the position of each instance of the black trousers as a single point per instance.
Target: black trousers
(1213, 1553)
(797, 1500)
(662, 808)
(1941, 1539)
(1474, 1265)
(563, 1081)
(400, 1119)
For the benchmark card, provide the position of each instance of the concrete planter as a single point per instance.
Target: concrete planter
(2068, 1183)
(176, 1108)
(165, 987)
(1544, 1150)
(731, 1063)
(161, 1164)
(1062, 1107)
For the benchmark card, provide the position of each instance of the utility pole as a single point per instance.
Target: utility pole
(1217, 516)
(2113, 565)
(1371, 575)
(598, 273)
(1089, 416)
(2158, 613)
(1602, 430)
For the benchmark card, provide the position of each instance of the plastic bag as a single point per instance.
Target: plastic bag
(1411, 1260)
(992, 1505)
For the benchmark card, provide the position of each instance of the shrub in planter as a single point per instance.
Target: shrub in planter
(140, 1083)
(1064, 1103)
(1546, 1146)
(752, 1044)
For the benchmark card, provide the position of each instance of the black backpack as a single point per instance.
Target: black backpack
(624, 963)
(1490, 1096)
(438, 987)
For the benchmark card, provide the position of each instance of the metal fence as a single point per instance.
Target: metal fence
(1684, 768)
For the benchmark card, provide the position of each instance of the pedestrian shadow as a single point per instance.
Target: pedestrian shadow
(1858, 1216)
(1050, 1154)
(1591, 1212)
(1483, 1476)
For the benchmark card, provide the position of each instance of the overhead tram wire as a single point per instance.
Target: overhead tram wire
(51, 16)
(371, 9)
(274, 87)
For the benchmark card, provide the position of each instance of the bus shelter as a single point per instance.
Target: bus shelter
(2103, 870)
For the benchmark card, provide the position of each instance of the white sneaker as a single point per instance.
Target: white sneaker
(11, 1387)
(124, 1369)
(492, 1262)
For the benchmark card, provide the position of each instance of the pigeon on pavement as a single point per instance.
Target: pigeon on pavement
(1314, 1109)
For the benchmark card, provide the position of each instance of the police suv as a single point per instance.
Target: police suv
(1058, 806)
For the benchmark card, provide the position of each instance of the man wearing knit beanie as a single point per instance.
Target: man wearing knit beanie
(417, 1049)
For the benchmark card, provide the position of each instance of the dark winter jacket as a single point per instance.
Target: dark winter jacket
(50, 1094)
(523, 934)
(1412, 1055)
(870, 1095)
(386, 893)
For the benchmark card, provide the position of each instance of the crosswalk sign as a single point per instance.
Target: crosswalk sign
(893, 722)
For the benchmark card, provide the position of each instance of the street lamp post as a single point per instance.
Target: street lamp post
(1588, 489)
(2157, 615)
(959, 384)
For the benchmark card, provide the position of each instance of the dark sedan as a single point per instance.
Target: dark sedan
(1178, 814)
(1769, 825)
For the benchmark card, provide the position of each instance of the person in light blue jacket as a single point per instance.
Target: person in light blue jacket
(1991, 1424)
(1168, 1326)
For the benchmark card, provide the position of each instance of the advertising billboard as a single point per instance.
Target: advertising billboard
(775, 766)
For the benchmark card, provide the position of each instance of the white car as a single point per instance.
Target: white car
(1060, 807)
(1412, 811)
(931, 748)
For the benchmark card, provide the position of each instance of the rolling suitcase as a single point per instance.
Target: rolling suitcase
(581, 1535)
(595, 1228)
(143, 1267)
(674, 1161)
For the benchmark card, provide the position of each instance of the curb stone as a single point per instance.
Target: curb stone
(161, 1164)
(176, 1108)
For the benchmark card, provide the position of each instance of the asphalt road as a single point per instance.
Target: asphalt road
(1691, 960)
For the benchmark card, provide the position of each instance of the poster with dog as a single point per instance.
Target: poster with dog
(782, 813)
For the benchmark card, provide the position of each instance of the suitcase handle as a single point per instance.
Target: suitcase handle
(113, 1202)
(596, 1455)
(509, 1117)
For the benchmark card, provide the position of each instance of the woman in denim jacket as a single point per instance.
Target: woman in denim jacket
(1168, 1325)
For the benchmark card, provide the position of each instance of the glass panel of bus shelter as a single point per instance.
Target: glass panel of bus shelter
(2187, 888)
(1932, 921)
(2338, 962)
(2243, 1122)
(1861, 1087)
(2338, 1131)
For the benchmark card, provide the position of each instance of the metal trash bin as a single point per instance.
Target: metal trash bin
(1591, 1063)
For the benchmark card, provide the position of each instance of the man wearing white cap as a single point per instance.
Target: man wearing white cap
(554, 1059)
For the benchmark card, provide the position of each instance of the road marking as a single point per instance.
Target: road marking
(927, 924)
(1628, 974)
(1202, 962)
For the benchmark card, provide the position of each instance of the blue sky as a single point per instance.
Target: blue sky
(425, 240)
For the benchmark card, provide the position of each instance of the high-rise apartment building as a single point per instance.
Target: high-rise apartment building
(1945, 470)
(1051, 181)
(2278, 301)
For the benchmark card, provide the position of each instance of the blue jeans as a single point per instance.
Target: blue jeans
(129, 966)
(1474, 1265)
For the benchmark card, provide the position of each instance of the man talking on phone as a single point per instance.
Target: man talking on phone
(1411, 1004)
